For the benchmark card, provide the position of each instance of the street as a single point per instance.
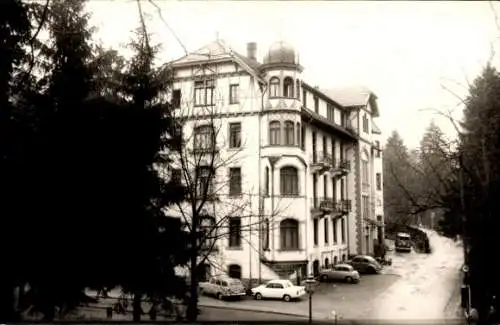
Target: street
(347, 300)
(426, 287)
(417, 287)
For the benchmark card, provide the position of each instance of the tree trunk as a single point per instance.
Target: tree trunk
(192, 309)
(137, 305)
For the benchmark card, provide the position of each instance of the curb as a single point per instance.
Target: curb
(248, 309)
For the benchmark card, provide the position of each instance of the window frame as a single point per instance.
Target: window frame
(274, 87)
(289, 181)
(235, 135)
(274, 133)
(237, 177)
(289, 235)
(203, 138)
(234, 240)
(234, 99)
(289, 133)
(202, 90)
(288, 87)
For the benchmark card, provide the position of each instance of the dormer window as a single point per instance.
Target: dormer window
(274, 87)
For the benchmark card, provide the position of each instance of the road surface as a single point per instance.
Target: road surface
(426, 287)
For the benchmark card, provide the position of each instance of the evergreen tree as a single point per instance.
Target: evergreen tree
(84, 195)
(143, 88)
(397, 173)
(15, 32)
(480, 153)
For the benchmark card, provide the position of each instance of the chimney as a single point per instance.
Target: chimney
(252, 50)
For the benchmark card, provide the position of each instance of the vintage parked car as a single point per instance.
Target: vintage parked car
(339, 272)
(365, 264)
(279, 289)
(223, 287)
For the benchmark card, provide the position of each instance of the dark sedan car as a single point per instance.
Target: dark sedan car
(365, 264)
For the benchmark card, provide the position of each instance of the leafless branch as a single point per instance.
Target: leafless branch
(160, 14)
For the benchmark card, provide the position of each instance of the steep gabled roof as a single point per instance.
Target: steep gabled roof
(375, 129)
(219, 51)
(353, 96)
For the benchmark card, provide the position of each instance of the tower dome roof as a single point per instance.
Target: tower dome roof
(281, 52)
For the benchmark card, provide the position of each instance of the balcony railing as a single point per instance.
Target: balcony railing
(324, 204)
(341, 167)
(321, 162)
(344, 206)
(204, 150)
(328, 205)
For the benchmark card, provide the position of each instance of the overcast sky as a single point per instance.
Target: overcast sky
(404, 51)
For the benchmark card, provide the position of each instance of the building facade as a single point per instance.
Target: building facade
(293, 173)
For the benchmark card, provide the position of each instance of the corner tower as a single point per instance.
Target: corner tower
(282, 104)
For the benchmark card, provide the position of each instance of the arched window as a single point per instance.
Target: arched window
(335, 260)
(327, 262)
(289, 133)
(289, 233)
(297, 129)
(289, 181)
(234, 271)
(274, 132)
(288, 87)
(274, 87)
(297, 90)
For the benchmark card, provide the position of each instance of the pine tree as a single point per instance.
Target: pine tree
(15, 32)
(143, 88)
(396, 177)
(480, 153)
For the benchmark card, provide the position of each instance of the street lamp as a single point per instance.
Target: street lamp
(310, 284)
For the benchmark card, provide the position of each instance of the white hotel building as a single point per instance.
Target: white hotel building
(306, 161)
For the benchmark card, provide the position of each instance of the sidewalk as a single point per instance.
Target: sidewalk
(252, 305)
(453, 307)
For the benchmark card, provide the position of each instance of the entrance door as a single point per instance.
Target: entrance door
(316, 268)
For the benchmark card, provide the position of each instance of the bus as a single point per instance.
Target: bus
(403, 242)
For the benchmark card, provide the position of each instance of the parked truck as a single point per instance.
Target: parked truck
(403, 242)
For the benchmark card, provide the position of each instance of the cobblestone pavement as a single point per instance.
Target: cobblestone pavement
(347, 300)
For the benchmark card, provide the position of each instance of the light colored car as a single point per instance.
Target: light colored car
(340, 272)
(279, 289)
(222, 287)
(365, 264)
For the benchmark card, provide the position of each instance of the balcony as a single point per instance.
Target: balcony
(344, 206)
(322, 205)
(204, 150)
(321, 162)
(341, 168)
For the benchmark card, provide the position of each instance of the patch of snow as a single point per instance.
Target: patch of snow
(427, 281)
